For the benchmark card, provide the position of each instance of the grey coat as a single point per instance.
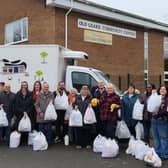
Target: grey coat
(41, 104)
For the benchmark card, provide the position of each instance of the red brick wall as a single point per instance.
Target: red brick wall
(156, 56)
(126, 55)
(41, 19)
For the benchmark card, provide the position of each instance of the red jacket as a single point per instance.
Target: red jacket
(105, 103)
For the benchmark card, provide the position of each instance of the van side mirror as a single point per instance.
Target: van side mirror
(107, 75)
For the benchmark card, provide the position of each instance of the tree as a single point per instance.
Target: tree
(43, 56)
(39, 73)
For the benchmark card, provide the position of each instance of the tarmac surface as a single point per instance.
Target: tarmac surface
(59, 156)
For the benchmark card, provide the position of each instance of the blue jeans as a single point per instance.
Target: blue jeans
(160, 136)
(6, 131)
(46, 128)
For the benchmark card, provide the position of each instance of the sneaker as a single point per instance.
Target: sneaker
(88, 147)
(57, 140)
(78, 147)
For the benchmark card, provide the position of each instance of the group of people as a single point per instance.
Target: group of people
(107, 108)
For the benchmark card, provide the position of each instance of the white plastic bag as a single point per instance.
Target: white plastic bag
(154, 103)
(25, 124)
(138, 110)
(61, 102)
(89, 117)
(122, 131)
(98, 143)
(14, 139)
(139, 129)
(31, 137)
(110, 149)
(3, 118)
(68, 112)
(131, 145)
(40, 142)
(140, 150)
(50, 113)
(75, 119)
(152, 158)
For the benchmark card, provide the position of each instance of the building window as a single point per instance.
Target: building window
(146, 45)
(17, 31)
(165, 59)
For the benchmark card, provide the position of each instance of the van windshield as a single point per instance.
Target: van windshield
(102, 76)
(106, 80)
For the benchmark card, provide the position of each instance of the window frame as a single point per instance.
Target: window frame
(89, 76)
(21, 22)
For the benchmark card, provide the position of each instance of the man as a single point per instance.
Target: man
(2, 86)
(61, 104)
(7, 101)
(100, 91)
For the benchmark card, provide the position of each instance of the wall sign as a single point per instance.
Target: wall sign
(97, 37)
(85, 24)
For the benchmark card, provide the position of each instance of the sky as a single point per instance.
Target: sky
(153, 9)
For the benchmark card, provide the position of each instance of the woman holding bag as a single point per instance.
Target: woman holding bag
(146, 115)
(24, 107)
(71, 100)
(159, 124)
(128, 102)
(42, 102)
(109, 105)
(83, 134)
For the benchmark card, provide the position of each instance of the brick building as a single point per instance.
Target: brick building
(128, 47)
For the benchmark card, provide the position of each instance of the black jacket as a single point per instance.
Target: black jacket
(8, 101)
(97, 94)
(82, 105)
(24, 104)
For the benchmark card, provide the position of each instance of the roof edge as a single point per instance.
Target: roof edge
(103, 11)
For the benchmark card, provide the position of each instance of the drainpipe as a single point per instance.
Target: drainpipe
(66, 23)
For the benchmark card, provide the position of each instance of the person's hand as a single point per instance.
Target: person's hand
(24, 113)
(76, 107)
(41, 115)
(154, 113)
(154, 91)
(65, 121)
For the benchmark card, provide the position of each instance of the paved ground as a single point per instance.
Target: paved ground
(59, 156)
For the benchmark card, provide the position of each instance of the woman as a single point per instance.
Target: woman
(71, 100)
(36, 91)
(128, 102)
(83, 134)
(159, 124)
(109, 105)
(44, 98)
(146, 114)
(24, 105)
